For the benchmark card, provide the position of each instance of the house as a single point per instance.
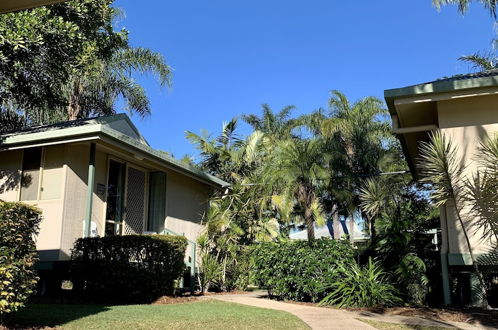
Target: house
(99, 177)
(465, 109)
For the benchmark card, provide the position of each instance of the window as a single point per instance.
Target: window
(30, 179)
(115, 198)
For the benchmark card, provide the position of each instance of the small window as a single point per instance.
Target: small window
(30, 174)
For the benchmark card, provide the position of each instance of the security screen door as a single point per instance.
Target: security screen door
(135, 201)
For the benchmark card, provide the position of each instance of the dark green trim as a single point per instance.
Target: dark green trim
(441, 86)
(445, 274)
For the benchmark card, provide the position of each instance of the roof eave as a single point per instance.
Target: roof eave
(442, 86)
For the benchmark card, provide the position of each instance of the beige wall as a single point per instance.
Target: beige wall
(467, 122)
(63, 195)
(186, 204)
(49, 197)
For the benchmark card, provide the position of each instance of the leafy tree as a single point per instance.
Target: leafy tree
(67, 61)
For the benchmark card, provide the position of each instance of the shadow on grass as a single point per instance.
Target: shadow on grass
(50, 315)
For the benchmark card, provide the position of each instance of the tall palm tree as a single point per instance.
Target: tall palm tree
(356, 134)
(463, 5)
(94, 87)
(276, 124)
(292, 176)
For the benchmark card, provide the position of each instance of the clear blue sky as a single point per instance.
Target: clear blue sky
(230, 56)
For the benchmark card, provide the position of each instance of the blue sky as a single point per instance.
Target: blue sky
(229, 57)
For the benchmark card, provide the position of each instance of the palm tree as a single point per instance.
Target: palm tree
(480, 62)
(440, 168)
(292, 176)
(227, 156)
(94, 87)
(276, 124)
(463, 5)
(356, 135)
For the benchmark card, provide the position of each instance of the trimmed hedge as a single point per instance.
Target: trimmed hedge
(127, 269)
(296, 270)
(19, 224)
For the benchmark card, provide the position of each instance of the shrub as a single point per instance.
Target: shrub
(126, 269)
(362, 287)
(19, 224)
(299, 271)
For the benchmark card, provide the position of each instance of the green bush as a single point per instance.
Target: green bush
(362, 287)
(19, 224)
(299, 271)
(127, 269)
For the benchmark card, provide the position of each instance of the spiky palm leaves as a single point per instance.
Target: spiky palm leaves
(356, 134)
(463, 5)
(292, 176)
(480, 62)
(95, 86)
(227, 156)
(399, 216)
(274, 124)
(440, 167)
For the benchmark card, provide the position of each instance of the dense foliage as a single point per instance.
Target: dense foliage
(306, 171)
(367, 286)
(125, 269)
(19, 224)
(300, 271)
(67, 61)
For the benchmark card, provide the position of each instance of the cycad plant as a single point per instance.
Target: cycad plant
(440, 167)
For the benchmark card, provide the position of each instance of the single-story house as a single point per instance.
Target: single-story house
(465, 109)
(98, 177)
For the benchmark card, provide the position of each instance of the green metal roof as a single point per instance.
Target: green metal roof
(448, 84)
(102, 126)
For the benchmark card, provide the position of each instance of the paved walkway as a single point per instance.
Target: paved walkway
(328, 318)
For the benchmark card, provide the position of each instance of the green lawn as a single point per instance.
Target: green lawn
(208, 314)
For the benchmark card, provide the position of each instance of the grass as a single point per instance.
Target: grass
(207, 314)
(397, 326)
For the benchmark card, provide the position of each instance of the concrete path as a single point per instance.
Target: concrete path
(328, 318)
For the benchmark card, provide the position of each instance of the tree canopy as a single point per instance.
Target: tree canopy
(67, 61)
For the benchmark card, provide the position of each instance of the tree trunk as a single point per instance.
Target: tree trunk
(311, 229)
(74, 107)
